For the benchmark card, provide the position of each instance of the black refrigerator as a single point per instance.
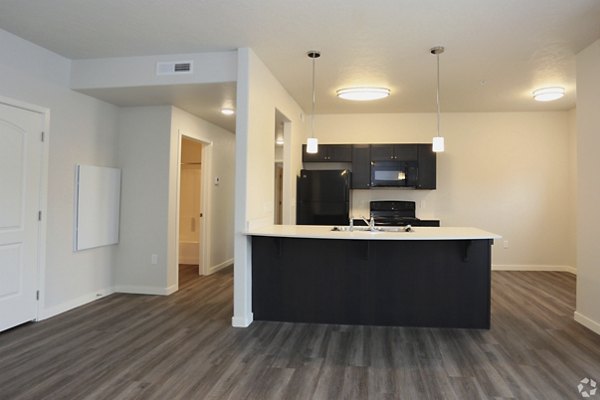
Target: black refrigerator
(323, 197)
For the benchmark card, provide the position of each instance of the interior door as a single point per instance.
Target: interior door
(20, 173)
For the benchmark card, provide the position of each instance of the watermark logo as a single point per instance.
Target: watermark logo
(587, 387)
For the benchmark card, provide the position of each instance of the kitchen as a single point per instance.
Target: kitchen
(519, 161)
(489, 177)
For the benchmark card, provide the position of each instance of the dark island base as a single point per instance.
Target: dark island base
(425, 283)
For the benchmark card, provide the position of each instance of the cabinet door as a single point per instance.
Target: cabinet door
(382, 152)
(316, 157)
(427, 167)
(405, 152)
(339, 152)
(361, 166)
(329, 153)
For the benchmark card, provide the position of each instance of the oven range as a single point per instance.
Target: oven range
(395, 213)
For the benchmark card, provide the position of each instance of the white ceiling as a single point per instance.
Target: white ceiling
(497, 51)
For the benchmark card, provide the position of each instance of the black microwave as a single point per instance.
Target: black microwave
(394, 173)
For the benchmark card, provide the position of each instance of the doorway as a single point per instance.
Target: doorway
(22, 153)
(278, 193)
(190, 209)
(281, 190)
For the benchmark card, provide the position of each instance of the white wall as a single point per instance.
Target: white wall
(149, 157)
(588, 194)
(259, 95)
(82, 130)
(144, 156)
(507, 173)
(222, 165)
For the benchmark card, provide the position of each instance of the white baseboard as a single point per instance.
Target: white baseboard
(242, 321)
(516, 267)
(151, 290)
(49, 312)
(587, 322)
(217, 267)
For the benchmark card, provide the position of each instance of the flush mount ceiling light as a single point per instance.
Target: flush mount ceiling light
(227, 111)
(548, 94)
(312, 143)
(363, 93)
(438, 141)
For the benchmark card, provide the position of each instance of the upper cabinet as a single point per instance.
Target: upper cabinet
(427, 167)
(361, 166)
(329, 153)
(395, 152)
(419, 156)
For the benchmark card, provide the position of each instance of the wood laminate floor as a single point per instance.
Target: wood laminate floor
(183, 347)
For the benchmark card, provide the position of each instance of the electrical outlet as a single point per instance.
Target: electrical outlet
(505, 244)
(154, 259)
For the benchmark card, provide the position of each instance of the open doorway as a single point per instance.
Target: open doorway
(281, 200)
(278, 190)
(190, 210)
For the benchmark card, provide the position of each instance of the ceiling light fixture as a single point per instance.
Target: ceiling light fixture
(279, 140)
(548, 94)
(438, 141)
(363, 93)
(227, 111)
(312, 144)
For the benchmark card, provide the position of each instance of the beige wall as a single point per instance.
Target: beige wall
(259, 95)
(507, 173)
(588, 193)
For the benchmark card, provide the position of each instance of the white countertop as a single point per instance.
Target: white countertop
(418, 233)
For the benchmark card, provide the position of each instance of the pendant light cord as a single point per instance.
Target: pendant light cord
(437, 99)
(314, 100)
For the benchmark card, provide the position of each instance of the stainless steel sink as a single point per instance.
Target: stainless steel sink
(377, 229)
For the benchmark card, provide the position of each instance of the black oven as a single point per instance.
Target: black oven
(394, 173)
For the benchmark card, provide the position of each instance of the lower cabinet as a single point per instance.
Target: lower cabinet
(441, 283)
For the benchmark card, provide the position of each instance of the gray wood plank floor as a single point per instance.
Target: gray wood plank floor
(183, 347)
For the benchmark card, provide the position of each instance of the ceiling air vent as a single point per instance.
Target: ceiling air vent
(173, 67)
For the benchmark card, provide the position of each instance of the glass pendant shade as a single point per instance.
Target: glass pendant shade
(312, 145)
(438, 144)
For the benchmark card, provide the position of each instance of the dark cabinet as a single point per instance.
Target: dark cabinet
(329, 153)
(427, 167)
(399, 152)
(419, 156)
(281, 280)
(361, 166)
(428, 283)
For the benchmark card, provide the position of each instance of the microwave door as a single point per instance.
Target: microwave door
(388, 175)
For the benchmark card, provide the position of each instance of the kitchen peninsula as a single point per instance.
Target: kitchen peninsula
(428, 277)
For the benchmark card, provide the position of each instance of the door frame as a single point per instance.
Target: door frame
(205, 199)
(43, 199)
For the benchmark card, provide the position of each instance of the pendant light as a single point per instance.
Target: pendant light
(438, 141)
(312, 144)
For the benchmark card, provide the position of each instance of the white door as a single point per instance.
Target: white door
(20, 172)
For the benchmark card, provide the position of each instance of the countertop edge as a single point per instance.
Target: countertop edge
(419, 233)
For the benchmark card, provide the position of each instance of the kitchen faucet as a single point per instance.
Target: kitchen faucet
(370, 223)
